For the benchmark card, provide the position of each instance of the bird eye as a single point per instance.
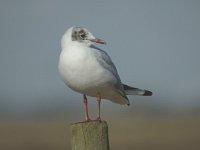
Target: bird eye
(82, 35)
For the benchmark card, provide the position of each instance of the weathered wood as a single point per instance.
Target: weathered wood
(91, 135)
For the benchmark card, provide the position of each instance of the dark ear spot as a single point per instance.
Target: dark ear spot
(74, 35)
(78, 34)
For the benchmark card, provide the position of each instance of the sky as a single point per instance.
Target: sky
(154, 44)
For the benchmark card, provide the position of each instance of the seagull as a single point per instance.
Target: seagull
(90, 71)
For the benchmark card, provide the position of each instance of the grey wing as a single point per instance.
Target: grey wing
(105, 60)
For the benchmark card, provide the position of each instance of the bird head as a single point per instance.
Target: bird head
(82, 35)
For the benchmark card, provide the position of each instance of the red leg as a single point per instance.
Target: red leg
(86, 108)
(99, 103)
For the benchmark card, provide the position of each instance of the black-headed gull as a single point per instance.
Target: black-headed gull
(89, 70)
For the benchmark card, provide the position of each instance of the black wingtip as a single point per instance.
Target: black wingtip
(147, 93)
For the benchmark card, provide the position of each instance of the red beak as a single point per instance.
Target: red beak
(99, 41)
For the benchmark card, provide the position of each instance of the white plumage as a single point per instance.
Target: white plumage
(89, 70)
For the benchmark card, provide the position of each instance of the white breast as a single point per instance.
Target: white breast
(82, 72)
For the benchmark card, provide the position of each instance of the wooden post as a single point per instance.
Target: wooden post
(91, 135)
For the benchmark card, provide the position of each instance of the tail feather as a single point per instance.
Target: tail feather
(135, 91)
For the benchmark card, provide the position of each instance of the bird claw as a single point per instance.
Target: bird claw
(98, 119)
(87, 120)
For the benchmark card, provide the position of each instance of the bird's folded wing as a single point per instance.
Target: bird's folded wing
(136, 91)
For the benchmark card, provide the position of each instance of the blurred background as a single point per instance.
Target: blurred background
(154, 44)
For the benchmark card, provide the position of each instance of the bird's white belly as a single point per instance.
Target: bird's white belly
(82, 73)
